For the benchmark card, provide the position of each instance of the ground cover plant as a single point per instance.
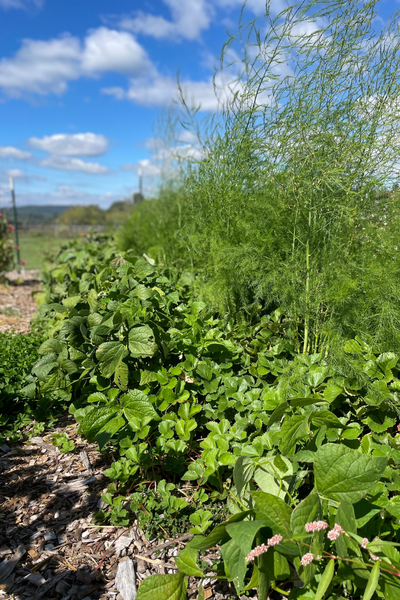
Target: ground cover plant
(202, 412)
(18, 355)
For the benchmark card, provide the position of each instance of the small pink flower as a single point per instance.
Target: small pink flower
(316, 526)
(16, 247)
(276, 539)
(334, 533)
(364, 543)
(22, 262)
(11, 228)
(256, 552)
(307, 559)
(374, 557)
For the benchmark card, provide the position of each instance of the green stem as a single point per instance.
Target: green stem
(307, 319)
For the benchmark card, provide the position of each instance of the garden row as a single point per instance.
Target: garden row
(220, 423)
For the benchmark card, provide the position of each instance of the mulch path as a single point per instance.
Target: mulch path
(17, 303)
(50, 548)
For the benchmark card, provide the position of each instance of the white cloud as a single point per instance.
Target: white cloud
(115, 51)
(163, 91)
(189, 19)
(24, 4)
(16, 173)
(11, 152)
(78, 144)
(149, 168)
(64, 163)
(41, 67)
(46, 67)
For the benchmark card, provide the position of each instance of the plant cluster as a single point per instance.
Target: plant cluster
(18, 354)
(201, 412)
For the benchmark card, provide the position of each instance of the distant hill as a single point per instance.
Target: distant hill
(35, 214)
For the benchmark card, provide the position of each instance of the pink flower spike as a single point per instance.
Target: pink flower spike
(364, 543)
(307, 559)
(316, 526)
(334, 533)
(374, 557)
(256, 552)
(276, 539)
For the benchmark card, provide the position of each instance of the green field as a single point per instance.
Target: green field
(35, 247)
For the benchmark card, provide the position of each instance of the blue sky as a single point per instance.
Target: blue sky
(82, 83)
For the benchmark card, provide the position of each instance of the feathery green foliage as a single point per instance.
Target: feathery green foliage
(287, 206)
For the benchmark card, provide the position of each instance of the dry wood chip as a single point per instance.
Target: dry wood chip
(49, 585)
(74, 486)
(8, 566)
(125, 580)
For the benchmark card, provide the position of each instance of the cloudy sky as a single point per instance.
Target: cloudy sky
(82, 82)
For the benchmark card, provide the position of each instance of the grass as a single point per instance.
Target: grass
(34, 247)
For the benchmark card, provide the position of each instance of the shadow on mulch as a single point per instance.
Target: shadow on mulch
(49, 548)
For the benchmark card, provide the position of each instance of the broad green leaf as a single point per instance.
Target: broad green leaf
(306, 511)
(278, 413)
(244, 533)
(372, 582)
(234, 563)
(95, 419)
(275, 512)
(141, 341)
(71, 301)
(108, 430)
(325, 417)
(345, 474)
(332, 391)
(293, 429)
(345, 517)
(163, 587)
(186, 561)
(325, 580)
(121, 375)
(137, 404)
(109, 355)
(353, 347)
(242, 473)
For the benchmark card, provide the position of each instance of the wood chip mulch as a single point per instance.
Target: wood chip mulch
(17, 303)
(50, 547)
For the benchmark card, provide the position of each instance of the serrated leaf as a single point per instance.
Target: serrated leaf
(141, 341)
(137, 404)
(343, 473)
(163, 587)
(109, 355)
